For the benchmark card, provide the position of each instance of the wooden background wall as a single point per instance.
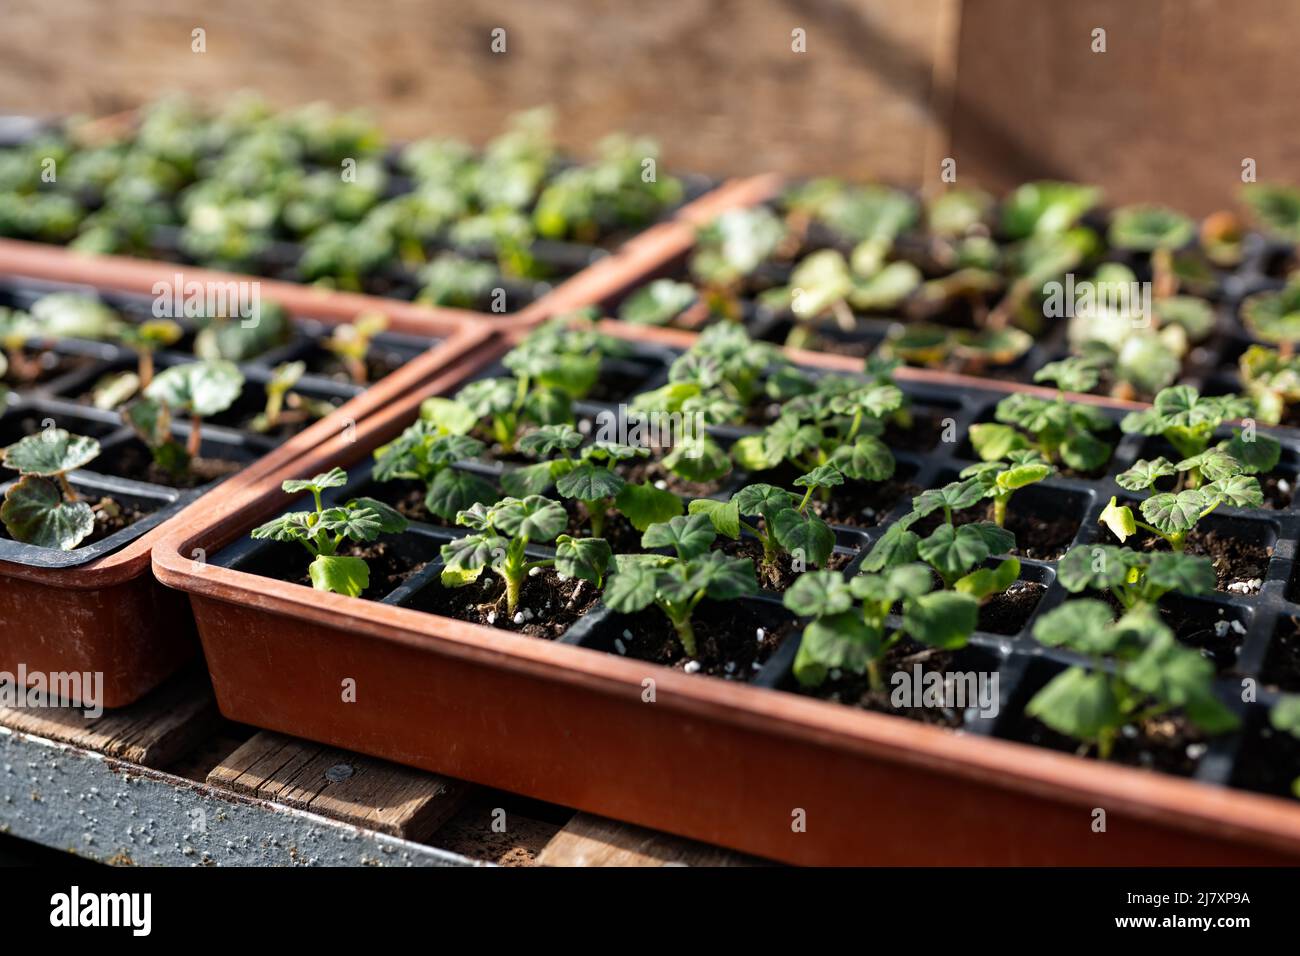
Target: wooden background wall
(887, 88)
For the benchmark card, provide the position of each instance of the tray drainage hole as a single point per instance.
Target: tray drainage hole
(339, 772)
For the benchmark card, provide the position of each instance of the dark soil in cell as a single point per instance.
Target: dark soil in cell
(1269, 762)
(408, 498)
(1160, 743)
(133, 460)
(1044, 538)
(618, 531)
(726, 636)
(123, 516)
(1278, 491)
(855, 689)
(1282, 665)
(1236, 560)
(389, 568)
(325, 364)
(555, 605)
(1207, 628)
(783, 575)
(863, 504)
(923, 433)
(651, 471)
(1009, 612)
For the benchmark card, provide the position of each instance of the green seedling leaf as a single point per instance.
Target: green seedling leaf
(1183, 573)
(585, 558)
(473, 552)
(819, 594)
(1145, 228)
(993, 442)
(763, 500)
(823, 476)
(955, 495)
(898, 545)
(1097, 567)
(699, 459)
(1119, 519)
(453, 491)
(943, 619)
(689, 535)
(953, 551)
(1084, 625)
(658, 302)
(531, 479)
(1077, 703)
(448, 416)
(533, 518)
(632, 587)
(550, 440)
(985, 582)
(798, 532)
(1213, 464)
(644, 505)
(1175, 513)
(53, 451)
(867, 459)
(1144, 474)
(197, 388)
(1236, 491)
(334, 478)
(34, 512)
(725, 515)
(843, 641)
(1180, 677)
(588, 482)
(342, 575)
(1258, 456)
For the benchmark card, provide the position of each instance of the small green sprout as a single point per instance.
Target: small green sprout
(587, 474)
(1185, 418)
(787, 525)
(677, 584)
(323, 530)
(1134, 577)
(844, 636)
(351, 343)
(1002, 479)
(1153, 675)
(502, 534)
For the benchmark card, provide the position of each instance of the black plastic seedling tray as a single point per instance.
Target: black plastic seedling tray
(1211, 365)
(60, 398)
(1252, 638)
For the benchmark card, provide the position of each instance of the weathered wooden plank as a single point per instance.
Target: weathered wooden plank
(362, 791)
(588, 840)
(154, 731)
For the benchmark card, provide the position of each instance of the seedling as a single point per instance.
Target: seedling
(824, 286)
(677, 584)
(845, 637)
(145, 339)
(834, 420)
(198, 390)
(239, 338)
(1002, 479)
(954, 551)
(1274, 317)
(729, 250)
(56, 316)
(1062, 431)
(659, 302)
(351, 343)
(503, 532)
(456, 281)
(786, 526)
(1158, 231)
(323, 530)
(427, 451)
(42, 507)
(285, 406)
(1174, 515)
(1275, 207)
(1134, 577)
(1185, 418)
(587, 474)
(1153, 675)
(1272, 380)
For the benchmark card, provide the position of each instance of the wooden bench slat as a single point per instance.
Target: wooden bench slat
(589, 840)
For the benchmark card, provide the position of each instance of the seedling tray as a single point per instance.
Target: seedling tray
(1211, 366)
(745, 759)
(98, 608)
(557, 260)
